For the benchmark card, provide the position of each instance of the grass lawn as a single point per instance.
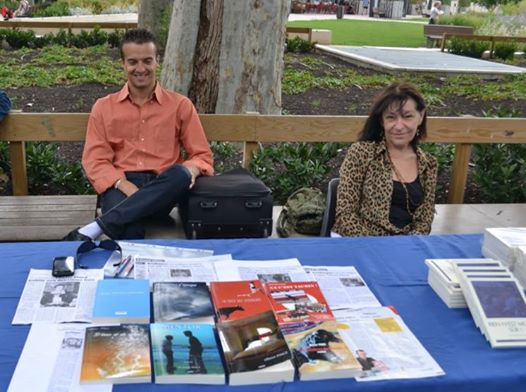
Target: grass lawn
(364, 32)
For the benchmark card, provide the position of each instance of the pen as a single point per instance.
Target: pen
(122, 266)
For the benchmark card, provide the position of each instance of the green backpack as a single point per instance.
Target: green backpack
(302, 213)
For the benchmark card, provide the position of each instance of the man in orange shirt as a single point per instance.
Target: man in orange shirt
(132, 155)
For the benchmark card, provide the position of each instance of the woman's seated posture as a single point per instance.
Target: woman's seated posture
(387, 183)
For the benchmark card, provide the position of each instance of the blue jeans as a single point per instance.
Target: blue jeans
(123, 217)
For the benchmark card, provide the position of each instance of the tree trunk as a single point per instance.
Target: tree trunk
(227, 55)
(152, 15)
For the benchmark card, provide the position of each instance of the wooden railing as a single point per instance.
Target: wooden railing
(251, 129)
(492, 39)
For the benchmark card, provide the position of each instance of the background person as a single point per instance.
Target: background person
(23, 10)
(435, 12)
(387, 183)
(5, 104)
(132, 155)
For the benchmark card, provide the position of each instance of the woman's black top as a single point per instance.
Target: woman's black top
(398, 214)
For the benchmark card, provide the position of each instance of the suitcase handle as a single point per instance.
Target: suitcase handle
(253, 204)
(208, 204)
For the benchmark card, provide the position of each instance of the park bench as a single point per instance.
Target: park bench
(493, 39)
(249, 129)
(435, 32)
(379, 12)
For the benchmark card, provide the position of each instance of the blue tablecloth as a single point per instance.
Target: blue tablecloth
(393, 268)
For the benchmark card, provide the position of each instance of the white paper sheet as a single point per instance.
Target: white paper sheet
(51, 360)
(343, 287)
(384, 345)
(49, 299)
(285, 270)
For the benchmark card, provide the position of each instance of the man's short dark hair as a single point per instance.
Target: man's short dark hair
(138, 36)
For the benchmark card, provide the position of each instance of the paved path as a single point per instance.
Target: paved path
(417, 60)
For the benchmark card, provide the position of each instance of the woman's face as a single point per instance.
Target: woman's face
(401, 123)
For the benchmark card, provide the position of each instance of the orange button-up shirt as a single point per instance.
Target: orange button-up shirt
(123, 136)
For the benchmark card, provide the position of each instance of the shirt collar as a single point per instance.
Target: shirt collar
(157, 95)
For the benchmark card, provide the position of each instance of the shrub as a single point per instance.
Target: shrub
(57, 8)
(465, 19)
(114, 38)
(286, 167)
(470, 48)
(298, 45)
(19, 38)
(505, 50)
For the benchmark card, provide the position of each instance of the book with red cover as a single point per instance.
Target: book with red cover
(295, 302)
(238, 299)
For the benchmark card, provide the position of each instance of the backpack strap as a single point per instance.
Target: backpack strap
(281, 224)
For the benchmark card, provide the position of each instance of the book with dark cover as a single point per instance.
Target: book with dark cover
(182, 301)
(186, 353)
(116, 354)
(122, 301)
(253, 345)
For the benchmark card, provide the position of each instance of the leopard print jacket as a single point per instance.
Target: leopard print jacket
(366, 187)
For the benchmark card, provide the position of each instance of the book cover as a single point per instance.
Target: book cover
(319, 352)
(182, 301)
(116, 354)
(122, 301)
(238, 299)
(186, 353)
(296, 301)
(253, 345)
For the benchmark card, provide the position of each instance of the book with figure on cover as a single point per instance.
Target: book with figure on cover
(182, 301)
(186, 353)
(122, 301)
(116, 354)
(253, 345)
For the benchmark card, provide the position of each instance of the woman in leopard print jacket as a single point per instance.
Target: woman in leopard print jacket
(387, 183)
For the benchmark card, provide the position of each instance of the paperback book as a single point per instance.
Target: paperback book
(116, 354)
(500, 243)
(182, 301)
(253, 345)
(122, 301)
(497, 304)
(186, 353)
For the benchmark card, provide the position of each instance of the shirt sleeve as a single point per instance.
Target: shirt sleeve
(5, 105)
(97, 158)
(352, 173)
(193, 140)
(424, 214)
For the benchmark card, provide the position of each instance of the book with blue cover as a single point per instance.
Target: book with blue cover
(122, 301)
(186, 353)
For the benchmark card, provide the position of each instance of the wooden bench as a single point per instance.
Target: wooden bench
(300, 32)
(24, 218)
(493, 39)
(435, 32)
(252, 129)
(379, 12)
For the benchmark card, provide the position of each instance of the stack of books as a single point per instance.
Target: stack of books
(311, 332)
(254, 349)
(500, 243)
(442, 278)
(519, 269)
(496, 301)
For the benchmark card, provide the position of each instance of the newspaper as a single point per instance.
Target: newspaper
(286, 270)
(384, 345)
(57, 349)
(49, 299)
(158, 252)
(343, 287)
(199, 269)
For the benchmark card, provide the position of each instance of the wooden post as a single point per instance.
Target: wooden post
(249, 148)
(443, 44)
(17, 152)
(459, 173)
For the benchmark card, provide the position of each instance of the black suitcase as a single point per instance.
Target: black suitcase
(234, 204)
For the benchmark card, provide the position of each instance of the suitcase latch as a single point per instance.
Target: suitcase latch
(253, 204)
(208, 204)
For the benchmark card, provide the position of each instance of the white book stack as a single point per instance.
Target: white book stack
(442, 278)
(519, 269)
(496, 301)
(500, 243)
